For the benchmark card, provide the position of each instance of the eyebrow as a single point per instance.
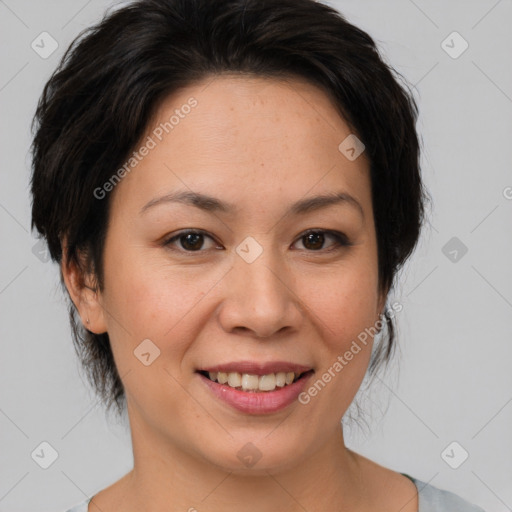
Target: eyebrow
(212, 204)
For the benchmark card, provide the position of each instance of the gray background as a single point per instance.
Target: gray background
(452, 379)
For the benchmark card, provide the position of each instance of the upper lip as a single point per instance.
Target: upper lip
(255, 368)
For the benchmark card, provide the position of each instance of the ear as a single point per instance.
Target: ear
(383, 295)
(83, 290)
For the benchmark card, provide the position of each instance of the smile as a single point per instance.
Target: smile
(254, 383)
(256, 388)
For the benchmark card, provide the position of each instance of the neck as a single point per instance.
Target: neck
(175, 479)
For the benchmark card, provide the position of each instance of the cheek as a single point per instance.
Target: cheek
(344, 307)
(345, 303)
(159, 303)
(156, 301)
(345, 313)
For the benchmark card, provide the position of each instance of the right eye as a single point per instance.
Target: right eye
(190, 240)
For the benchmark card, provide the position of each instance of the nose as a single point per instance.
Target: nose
(260, 298)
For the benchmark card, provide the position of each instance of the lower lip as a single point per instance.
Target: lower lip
(263, 402)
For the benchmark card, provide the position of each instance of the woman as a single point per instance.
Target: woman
(229, 189)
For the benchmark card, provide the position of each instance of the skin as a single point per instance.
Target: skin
(262, 145)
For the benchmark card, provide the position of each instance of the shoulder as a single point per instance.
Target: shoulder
(433, 499)
(80, 507)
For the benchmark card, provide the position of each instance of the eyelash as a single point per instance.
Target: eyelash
(341, 240)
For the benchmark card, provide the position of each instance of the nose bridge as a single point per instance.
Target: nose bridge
(258, 296)
(257, 270)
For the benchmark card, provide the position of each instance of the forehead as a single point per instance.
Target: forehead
(247, 138)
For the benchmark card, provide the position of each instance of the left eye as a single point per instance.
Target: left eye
(316, 238)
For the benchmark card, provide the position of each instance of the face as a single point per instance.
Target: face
(255, 277)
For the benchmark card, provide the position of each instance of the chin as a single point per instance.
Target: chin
(260, 456)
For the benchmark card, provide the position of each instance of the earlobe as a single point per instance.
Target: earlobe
(84, 293)
(92, 311)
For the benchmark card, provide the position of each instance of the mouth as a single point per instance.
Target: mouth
(256, 388)
(256, 382)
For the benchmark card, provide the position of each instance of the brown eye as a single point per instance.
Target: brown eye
(192, 241)
(314, 240)
(189, 241)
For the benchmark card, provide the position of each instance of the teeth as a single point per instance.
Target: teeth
(234, 380)
(222, 377)
(248, 382)
(267, 382)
